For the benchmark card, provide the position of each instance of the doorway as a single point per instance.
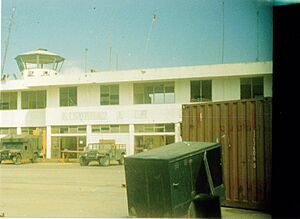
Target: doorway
(74, 144)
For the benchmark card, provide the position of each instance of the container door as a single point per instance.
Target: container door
(181, 186)
(156, 190)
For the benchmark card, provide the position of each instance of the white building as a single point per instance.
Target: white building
(140, 108)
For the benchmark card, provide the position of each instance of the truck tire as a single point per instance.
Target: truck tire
(83, 162)
(34, 158)
(121, 161)
(17, 159)
(104, 161)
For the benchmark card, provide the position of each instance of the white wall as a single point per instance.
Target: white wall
(182, 91)
(17, 118)
(126, 93)
(127, 114)
(155, 74)
(52, 97)
(88, 95)
(224, 89)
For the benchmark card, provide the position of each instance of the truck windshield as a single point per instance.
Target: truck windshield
(10, 145)
(93, 147)
(98, 146)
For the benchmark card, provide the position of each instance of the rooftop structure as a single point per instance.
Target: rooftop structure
(39, 62)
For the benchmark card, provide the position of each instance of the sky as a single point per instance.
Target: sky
(122, 34)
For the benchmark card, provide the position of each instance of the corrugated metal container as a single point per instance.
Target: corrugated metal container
(244, 128)
(162, 182)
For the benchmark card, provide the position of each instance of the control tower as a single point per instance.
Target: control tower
(39, 63)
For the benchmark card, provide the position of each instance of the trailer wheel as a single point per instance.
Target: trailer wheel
(17, 159)
(34, 158)
(104, 161)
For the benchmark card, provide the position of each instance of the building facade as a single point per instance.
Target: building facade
(140, 108)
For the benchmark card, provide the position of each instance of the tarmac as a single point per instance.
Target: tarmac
(68, 190)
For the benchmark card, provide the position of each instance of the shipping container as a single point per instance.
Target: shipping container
(244, 128)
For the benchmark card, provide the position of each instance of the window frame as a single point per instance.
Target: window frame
(34, 99)
(112, 97)
(200, 89)
(110, 128)
(10, 99)
(66, 101)
(154, 93)
(249, 83)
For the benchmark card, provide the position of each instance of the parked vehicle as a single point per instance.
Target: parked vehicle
(103, 153)
(20, 147)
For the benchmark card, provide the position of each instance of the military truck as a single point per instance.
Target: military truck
(20, 147)
(103, 153)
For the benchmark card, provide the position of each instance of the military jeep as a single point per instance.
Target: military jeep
(20, 147)
(103, 153)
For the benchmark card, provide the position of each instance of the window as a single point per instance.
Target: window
(201, 91)
(34, 99)
(68, 96)
(156, 93)
(8, 131)
(68, 129)
(110, 128)
(147, 142)
(8, 100)
(252, 88)
(31, 130)
(109, 94)
(154, 128)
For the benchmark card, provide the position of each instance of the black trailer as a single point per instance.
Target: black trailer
(164, 181)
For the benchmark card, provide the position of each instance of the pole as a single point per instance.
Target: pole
(257, 34)
(148, 38)
(85, 64)
(110, 57)
(8, 37)
(223, 30)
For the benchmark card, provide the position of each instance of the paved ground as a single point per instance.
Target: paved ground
(70, 191)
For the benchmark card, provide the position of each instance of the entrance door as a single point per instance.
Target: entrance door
(73, 143)
(67, 143)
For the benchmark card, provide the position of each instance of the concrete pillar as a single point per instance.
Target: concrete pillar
(268, 86)
(177, 132)
(19, 103)
(130, 147)
(19, 131)
(48, 142)
(88, 134)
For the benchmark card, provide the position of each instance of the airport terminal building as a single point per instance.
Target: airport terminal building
(140, 108)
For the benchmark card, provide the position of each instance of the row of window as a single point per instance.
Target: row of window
(151, 93)
(24, 130)
(145, 128)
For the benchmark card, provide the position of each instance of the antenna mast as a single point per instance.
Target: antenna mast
(8, 37)
(148, 38)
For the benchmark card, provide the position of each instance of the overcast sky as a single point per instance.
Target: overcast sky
(185, 32)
